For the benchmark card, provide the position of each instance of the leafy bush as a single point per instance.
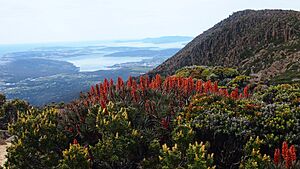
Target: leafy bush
(40, 140)
(195, 157)
(9, 110)
(75, 157)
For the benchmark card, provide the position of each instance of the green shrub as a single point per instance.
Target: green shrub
(194, 157)
(40, 140)
(75, 157)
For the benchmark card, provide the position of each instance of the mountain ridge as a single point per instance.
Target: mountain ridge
(254, 41)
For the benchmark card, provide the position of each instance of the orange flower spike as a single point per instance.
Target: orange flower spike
(165, 84)
(142, 83)
(158, 80)
(235, 93)
(147, 81)
(209, 86)
(191, 84)
(199, 86)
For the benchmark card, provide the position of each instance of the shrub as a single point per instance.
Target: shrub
(195, 157)
(9, 110)
(40, 140)
(75, 157)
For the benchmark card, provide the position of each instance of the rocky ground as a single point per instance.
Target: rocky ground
(3, 147)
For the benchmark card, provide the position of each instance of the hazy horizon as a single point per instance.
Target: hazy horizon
(50, 21)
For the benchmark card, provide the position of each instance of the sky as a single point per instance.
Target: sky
(41, 21)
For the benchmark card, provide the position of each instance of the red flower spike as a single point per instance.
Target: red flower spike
(106, 84)
(129, 82)
(92, 90)
(216, 87)
(288, 160)
(134, 95)
(165, 123)
(120, 83)
(284, 149)
(98, 89)
(111, 83)
(241, 95)
(75, 141)
(103, 105)
(292, 151)
(276, 156)
(246, 93)
(235, 93)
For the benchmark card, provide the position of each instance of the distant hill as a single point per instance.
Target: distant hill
(161, 40)
(264, 43)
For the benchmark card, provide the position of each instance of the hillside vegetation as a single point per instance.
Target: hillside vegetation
(219, 122)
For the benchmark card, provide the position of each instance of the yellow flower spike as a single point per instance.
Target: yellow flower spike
(190, 132)
(254, 164)
(253, 152)
(160, 158)
(201, 143)
(114, 117)
(134, 132)
(179, 120)
(117, 135)
(176, 146)
(125, 115)
(266, 158)
(203, 148)
(165, 148)
(196, 157)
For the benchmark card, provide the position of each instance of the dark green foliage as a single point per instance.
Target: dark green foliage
(221, 74)
(9, 110)
(40, 140)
